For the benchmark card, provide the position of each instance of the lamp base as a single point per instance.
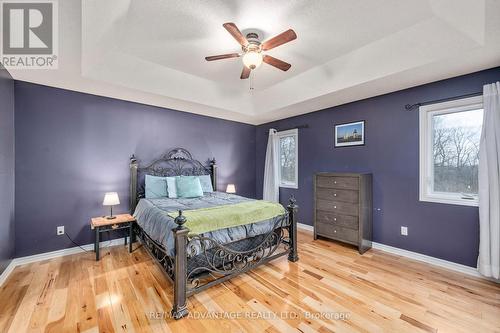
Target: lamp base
(110, 217)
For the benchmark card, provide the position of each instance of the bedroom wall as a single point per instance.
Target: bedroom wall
(391, 153)
(7, 236)
(71, 148)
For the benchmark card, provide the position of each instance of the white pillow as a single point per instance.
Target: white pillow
(171, 187)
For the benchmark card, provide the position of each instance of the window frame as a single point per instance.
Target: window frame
(292, 132)
(426, 139)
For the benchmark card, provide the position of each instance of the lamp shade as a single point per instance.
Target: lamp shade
(230, 188)
(111, 199)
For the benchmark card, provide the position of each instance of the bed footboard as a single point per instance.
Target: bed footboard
(221, 262)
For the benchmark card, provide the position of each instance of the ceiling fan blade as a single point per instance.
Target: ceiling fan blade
(236, 33)
(245, 73)
(280, 64)
(222, 56)
(282, 38)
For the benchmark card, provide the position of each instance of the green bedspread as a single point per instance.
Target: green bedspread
(204, 220)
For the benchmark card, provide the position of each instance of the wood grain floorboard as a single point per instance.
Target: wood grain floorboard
(330, 289)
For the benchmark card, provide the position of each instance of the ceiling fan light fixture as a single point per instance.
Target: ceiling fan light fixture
(252, 59)
(252, 49)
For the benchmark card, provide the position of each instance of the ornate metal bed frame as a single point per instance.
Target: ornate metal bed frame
(190, 272)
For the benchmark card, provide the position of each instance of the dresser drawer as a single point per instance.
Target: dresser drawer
(337, 207)
(333, 194)
(350, 183)
(346, 221)
(338, 233)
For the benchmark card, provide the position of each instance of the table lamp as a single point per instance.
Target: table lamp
(230, 188)
(111, 199)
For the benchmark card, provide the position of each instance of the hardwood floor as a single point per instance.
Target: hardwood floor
(331, 288)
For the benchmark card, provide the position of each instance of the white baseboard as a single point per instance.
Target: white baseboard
(64, 252)
(305, 226)
(53, 254)
(5, 274)
(386, 248)
(420, 257)
(428, 259)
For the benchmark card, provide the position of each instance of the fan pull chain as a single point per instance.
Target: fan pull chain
(251, 81)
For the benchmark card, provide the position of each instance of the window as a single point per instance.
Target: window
(288, 158)
(449, 151)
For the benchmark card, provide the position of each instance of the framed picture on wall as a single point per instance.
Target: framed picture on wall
(350, 134)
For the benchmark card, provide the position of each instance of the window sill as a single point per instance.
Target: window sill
(289, 186)
(450, 201)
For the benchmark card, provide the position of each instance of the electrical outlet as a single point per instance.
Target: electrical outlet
(404, 231)
(60, 230)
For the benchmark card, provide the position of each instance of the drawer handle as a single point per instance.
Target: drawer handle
(335, 182)
(334, 231)
(335, 219)
(335, 207)
(334, 194)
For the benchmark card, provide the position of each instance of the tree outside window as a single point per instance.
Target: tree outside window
(288, 159)
(450, 133)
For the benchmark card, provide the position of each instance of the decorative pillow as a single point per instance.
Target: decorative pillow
(188, 187)
(156, 187)
(171, 187)
(206, 183)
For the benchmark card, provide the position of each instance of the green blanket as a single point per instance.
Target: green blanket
(204, 220)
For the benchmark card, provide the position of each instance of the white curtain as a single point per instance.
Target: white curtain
(489, 184)
(271, 190)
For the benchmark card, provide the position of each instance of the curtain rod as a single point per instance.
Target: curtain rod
(410, 107)
(286, 129)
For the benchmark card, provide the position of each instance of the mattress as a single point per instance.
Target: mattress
(152, 216)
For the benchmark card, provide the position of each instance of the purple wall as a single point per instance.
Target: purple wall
(73, 147)
(6, 168)
(391, 153)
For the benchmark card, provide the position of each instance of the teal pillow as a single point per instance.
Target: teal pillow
(188, 187)
(156, 187)
(206, 183)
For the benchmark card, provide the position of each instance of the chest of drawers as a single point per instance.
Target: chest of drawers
(343, 208)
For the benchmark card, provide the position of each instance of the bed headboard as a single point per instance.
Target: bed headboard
(176, 162)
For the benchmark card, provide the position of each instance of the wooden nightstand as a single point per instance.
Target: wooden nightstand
(102, 224)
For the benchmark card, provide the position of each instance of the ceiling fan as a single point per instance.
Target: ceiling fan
(252, 49)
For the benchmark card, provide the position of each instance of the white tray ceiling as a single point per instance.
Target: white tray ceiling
(152, 51)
